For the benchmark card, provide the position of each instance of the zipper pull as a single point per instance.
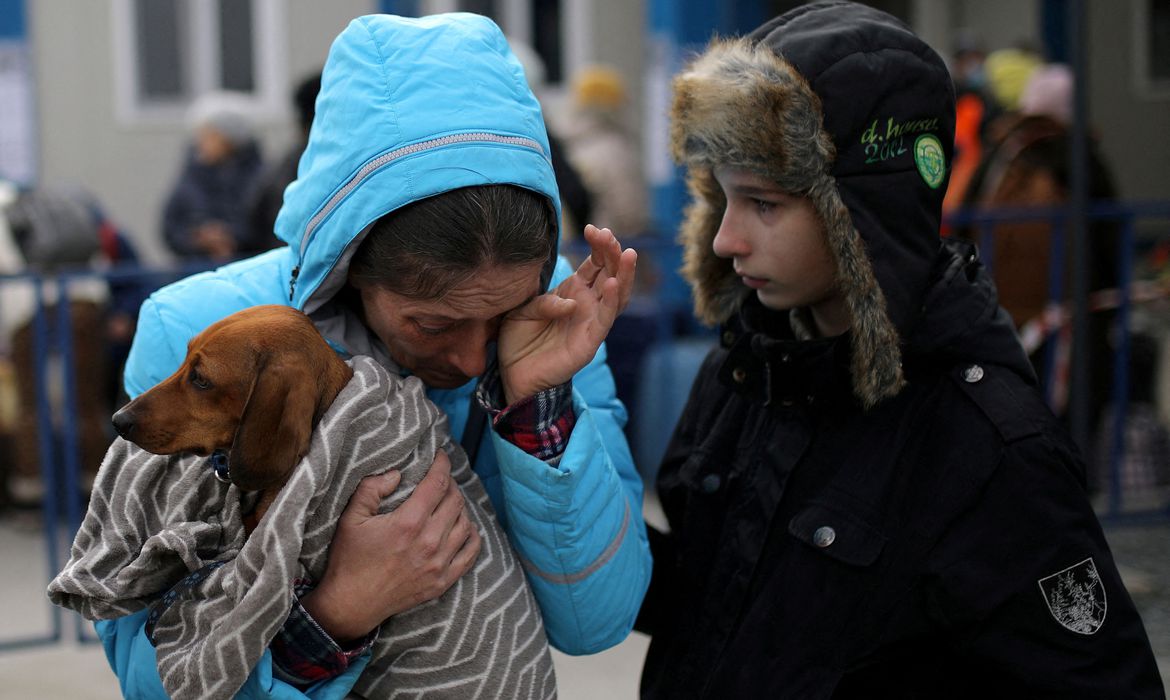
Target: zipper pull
(292, 283)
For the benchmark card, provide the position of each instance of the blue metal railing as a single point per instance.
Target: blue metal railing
(59, 448)
(47, 468)
(1126, 215)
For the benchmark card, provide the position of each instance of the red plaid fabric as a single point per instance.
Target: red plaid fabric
(539, 424)
(303, 653)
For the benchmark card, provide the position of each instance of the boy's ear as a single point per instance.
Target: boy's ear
(276, 426)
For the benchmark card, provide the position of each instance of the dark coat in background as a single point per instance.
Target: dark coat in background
(221, 192)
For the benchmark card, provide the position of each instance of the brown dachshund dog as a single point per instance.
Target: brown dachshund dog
(253, 386)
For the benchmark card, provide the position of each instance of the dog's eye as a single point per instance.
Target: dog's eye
(199, 381)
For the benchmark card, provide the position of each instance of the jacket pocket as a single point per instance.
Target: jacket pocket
(837, 533)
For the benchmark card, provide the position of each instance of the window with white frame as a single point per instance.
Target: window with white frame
(168, 52)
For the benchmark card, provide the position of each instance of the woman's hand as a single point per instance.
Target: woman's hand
(548, 340)
(381, 565)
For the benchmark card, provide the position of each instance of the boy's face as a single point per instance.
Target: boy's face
(777, 244)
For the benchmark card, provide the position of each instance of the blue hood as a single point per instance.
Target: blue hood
(409, 108)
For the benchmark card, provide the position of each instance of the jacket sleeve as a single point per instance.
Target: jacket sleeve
(132, 657)
(171, 316)
(578, 525)
(153, 352)
(1028, 585)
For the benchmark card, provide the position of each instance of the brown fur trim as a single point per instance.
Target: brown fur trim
(877, 358)
(740, 104)
(716, 288)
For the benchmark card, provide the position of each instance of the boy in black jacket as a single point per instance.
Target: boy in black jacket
(866, 496)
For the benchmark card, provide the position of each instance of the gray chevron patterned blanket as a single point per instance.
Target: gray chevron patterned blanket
(152, 520)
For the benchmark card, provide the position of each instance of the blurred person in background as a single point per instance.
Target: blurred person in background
(1026, 164)
(974, 110)
(268, 193)
(1007, 72)
(49, 230)
(600, 146)
(206, 213)
(576, 201)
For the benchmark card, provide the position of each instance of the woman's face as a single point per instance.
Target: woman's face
(777, 244)
(444, 341)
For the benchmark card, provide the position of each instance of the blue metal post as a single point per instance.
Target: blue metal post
(677, 30)
(70, 429)
(45, 432)
(12, 19)
(71, 487)
(1078, 412)
(1121, 366)
(40, 351)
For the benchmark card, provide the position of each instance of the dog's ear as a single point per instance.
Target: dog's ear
(276, 426)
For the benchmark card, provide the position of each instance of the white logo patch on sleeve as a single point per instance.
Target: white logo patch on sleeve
(1076, 597)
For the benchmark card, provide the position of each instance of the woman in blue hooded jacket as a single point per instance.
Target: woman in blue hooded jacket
(410, 112)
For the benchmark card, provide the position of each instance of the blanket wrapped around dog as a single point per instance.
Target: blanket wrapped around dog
(152, 520)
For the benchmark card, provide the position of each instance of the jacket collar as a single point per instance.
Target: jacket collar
(768, 364)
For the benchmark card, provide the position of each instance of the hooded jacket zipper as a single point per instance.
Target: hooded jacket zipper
(376, 164)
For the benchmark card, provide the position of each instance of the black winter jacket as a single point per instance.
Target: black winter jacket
(940, 545)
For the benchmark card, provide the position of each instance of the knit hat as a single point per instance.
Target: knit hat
(230, 113)
(843, 104)
(1008, 71)
(1049, 91)
(599, 87)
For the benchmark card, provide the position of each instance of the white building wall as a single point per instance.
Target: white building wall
(131, 167)
(620, 40)
(1130, 122)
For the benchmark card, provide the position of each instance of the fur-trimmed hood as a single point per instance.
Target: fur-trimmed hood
(843, 104)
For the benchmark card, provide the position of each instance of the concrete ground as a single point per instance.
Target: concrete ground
(80, 672)
(68, 669)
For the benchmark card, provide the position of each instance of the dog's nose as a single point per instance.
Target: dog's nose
(123, 423)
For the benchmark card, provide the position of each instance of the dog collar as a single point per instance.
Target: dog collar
(219, 466)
